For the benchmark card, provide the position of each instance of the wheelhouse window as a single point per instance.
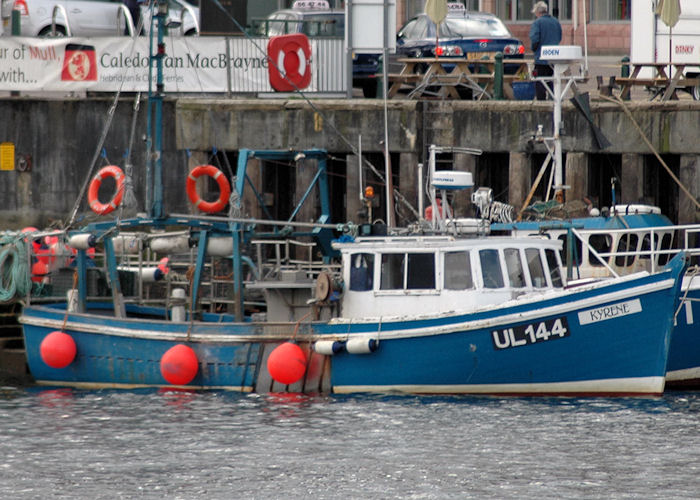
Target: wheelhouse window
(576, 250)
(534, 264)
(666, 241)
(421, 271)
(361, 272)
(602, 244)
(514, 266)
(419, 267)
(491, 269)
(458, 271)
(627, 243)
(554, 269)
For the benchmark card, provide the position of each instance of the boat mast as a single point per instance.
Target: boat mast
(154, 141)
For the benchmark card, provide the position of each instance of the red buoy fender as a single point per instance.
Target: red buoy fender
(179, 365)
(287, 363)
(57, 349)
(209, 207)
(95, 204)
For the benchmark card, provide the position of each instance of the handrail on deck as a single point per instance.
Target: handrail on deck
(654, 252)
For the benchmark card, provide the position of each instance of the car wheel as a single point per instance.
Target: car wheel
(369, 89)
(695, 91)
(48, 33)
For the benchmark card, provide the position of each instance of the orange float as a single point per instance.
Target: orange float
(57, 349)
(179, 365)
(209, 207)
(95, 204)
(287, 363)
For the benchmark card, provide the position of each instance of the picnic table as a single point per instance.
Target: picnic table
(666, 79)
(443, 76)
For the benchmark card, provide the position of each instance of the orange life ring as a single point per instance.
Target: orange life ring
(119, 178)
(224, 188)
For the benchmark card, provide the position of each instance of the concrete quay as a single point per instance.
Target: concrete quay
(55, 142)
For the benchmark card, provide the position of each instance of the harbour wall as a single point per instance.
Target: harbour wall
(57, 141)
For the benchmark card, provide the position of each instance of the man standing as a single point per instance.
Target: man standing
(546, 30)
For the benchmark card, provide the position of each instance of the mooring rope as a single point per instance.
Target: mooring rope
(15, 278)
(624, 107)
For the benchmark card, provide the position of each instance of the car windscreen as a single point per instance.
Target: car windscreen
(324, 25)
(465, 27)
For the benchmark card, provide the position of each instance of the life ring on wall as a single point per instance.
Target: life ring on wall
(289, 63)
(95, 204)
(209, 207)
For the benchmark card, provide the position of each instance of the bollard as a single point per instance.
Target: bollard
(625, 73)
(380, 78)
(16, 26)
(625, 68)
(498, 77)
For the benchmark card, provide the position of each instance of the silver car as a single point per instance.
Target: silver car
(89, 17)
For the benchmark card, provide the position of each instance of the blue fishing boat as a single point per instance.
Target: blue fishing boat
(633, 238)
(228, 301)
(441, 308)
(605, 243)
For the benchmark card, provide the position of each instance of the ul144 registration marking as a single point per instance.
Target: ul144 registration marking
(532, 333)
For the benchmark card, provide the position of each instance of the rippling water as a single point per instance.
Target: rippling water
(166, 444)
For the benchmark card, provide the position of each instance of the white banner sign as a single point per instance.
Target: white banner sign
(108, 64)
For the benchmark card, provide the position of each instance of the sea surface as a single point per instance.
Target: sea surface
(62, 443)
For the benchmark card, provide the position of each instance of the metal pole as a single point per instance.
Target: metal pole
(348, 47)
(387, 158)
(558, 167)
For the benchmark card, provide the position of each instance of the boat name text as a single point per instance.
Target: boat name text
(609, 312)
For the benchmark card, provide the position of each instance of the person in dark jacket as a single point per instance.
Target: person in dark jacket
(546, 30)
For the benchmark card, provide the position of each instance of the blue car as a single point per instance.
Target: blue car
(472, 35)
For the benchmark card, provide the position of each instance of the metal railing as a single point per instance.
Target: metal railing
(686, 238)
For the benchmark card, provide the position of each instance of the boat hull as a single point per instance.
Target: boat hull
(127, 353)
(683, 370)
(606, 340)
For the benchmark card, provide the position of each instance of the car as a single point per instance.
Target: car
(316, 19)
(473, 35)
(87, 17)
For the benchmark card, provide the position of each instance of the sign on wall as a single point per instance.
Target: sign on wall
(191, 64)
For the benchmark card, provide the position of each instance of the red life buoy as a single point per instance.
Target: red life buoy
(224, 188)
(289, 64)
(428, 213)
(105, 208)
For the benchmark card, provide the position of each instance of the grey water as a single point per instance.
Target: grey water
(63, 443)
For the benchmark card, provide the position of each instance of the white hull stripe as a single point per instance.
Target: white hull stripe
(685, 374)
(639, 385)
(395, 334)
(102, 385)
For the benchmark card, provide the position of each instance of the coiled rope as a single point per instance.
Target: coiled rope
(15, 276)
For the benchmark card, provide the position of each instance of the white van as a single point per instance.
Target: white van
(653, 41)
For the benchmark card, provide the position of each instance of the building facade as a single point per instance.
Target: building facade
(604, 24)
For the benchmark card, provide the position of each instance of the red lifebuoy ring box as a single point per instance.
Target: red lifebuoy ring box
(289, 62)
